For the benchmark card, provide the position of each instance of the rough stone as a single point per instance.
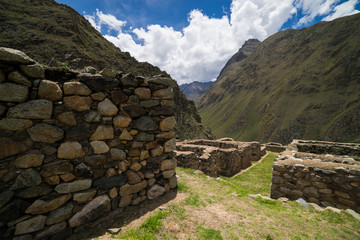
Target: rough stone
(90, 69)
(167, 124)
(136, 167)
(155, 191)
(98, 83)
(123, 165)
(9, 147)
(33, 71)
(128, 189)
(129, 80)
(98, 207)
(76, 88)
(107, 108)
(143, 93)
(23, 237)
(19, 78)
(145, 123)
(342, 194)
(144, 137)
(125, 201)
(84, 196)
(132, 177)
(162, 111)
(32, 225)
(34, 109)
(75, 186)
(50, 90)
(70, 150)
(353, 214)
(29, 160)
(50, 231)
(168, 164)
(5, 197)
(67, 118)
(27, 178)
(165, 135)
(113, 193)
(121, 121)
(34, 191)
(67, 177)
(168, 174)
(78, 133)
(170, 145)
(144, 154)
(99, 147)
(107, 72)
(45, 133)
(108, 183)
(157, 151)
(78, 103)
(92, 117)
(13, 210)
(47, 204)
(11, 92)
(173, 182)
(125, 135)
(95, 160)
(166, 93)
(13, 124)
(54, 168)
(134, 110)
(118, 97)
(99, 96)
(102, 132)
(117, 154)
(53, 180)
(150, 103)
(13, 56)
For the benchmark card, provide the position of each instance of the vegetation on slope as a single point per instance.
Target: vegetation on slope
(56, 35)
(297, 84)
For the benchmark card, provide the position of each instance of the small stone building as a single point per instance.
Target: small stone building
(324, 173)
(223, 157)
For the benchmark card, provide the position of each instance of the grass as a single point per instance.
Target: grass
(221, 209)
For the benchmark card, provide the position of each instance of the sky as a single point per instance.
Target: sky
(193, 39)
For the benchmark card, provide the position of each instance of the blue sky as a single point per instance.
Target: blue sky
(192, 40)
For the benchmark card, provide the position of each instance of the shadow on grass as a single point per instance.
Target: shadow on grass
(119, 218)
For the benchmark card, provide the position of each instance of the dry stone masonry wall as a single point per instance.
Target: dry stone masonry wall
(217, 157)
(75, 146)
(324, 179)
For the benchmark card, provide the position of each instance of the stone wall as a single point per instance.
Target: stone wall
(322, 147)
(215, 157)
(75, 146)
(326, 180)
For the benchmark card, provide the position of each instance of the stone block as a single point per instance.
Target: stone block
(145, 123)
(107, 108)
(45, 133)
(102, 132)
(29, 160)
(121, 121)
(128, 189)
(33, 71)
(167, 124)
(78, 103)
(13, 56)
(70, 150)
(54, 168)
(99, 147)
(47, 204)
(84, 196)
(11, 92)
(98, 207)
(76, 88)
(75, 186)
(27, 178)
(67, 118)
(155, 191)
(50, 90)
(34, 109)
(32, 225)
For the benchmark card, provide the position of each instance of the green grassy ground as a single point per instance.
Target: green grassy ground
(216, 209)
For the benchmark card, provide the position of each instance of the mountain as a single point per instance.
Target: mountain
(56, 35)
(297, 84)
(194, 90)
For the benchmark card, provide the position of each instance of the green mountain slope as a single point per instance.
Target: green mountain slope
(297, 84)
(56, 35)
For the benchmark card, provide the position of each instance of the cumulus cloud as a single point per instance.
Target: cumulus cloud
(344, 9)
(200, 50)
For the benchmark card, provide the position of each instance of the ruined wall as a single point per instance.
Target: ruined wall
(215, 158)
(74, 146)
(323, 147)
(326, 180)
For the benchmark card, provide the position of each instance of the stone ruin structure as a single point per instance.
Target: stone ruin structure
(325, 173)
(274, 147)
(77, 147)
(224, 157)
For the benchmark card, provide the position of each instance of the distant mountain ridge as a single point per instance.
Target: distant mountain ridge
(297, 84)
(194, 90)
(56, 35)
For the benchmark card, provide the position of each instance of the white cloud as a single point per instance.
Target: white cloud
(201, 49)
(344, 9)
